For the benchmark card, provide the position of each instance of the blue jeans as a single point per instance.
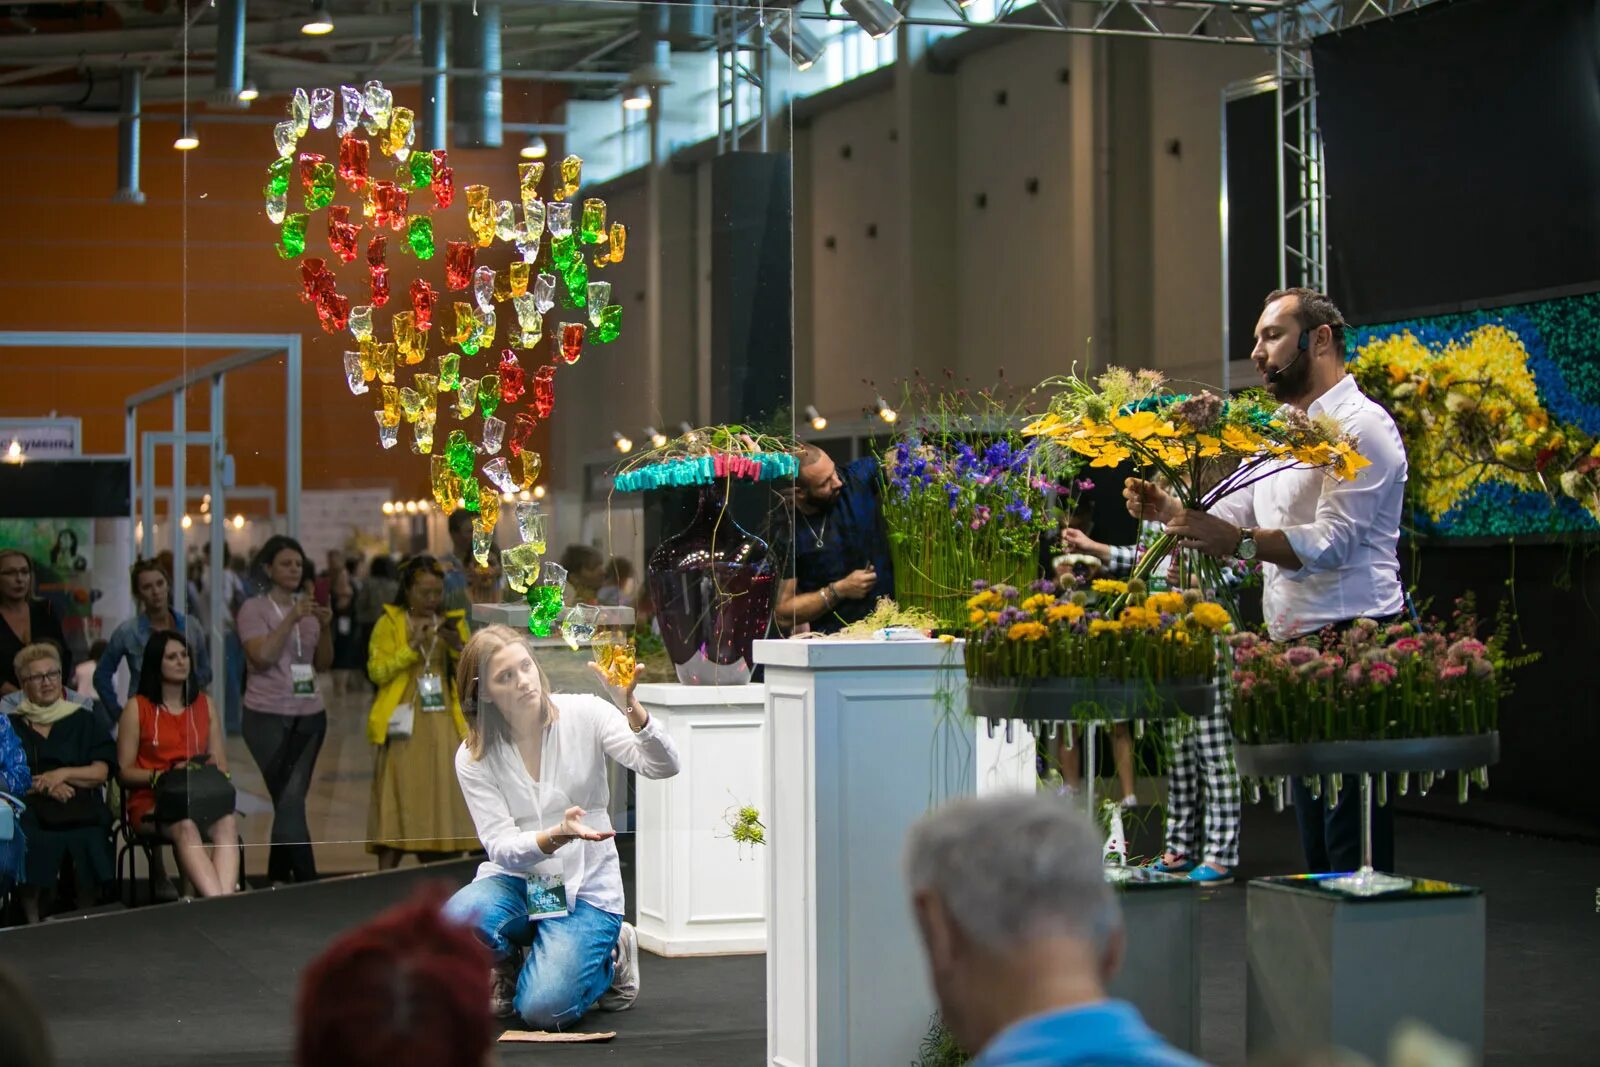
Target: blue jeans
(570, 964)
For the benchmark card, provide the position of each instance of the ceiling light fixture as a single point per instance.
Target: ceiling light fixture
(877, 17)
(238, 521)
(187, 141)
(538, 492)
(636, 98)
(817, 421)
(249, 93)
(803, 47)
(657, 438)
(321, 21)
(885, 412)
(535, 148)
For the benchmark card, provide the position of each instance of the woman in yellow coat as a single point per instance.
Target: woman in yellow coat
(416, 723)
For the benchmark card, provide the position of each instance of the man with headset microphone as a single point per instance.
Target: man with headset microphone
(1328, 548)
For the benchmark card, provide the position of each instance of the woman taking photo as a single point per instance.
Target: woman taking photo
(533, 771)
(169, 723)
(287, 640)
(70, 755)
(416, 723)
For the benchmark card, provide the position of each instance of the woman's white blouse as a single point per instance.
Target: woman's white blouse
(510, 809)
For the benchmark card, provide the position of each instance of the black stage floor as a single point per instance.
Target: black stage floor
(213, 982)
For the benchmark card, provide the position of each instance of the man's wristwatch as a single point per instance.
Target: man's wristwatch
(1246, 549)
(829, 597)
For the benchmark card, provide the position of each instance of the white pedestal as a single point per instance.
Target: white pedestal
(863, 737)
(698, 892)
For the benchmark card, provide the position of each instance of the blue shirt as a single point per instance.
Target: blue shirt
(845, 538)
(15, 777)
(127, 645)
(1107, 1032)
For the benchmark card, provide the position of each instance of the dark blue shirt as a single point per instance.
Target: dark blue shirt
(845, 538)
(1107, 1033)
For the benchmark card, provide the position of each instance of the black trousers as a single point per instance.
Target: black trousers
(1332, 838)
(285, 747)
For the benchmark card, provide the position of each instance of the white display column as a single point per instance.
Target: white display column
(699, 892)
(862, 738)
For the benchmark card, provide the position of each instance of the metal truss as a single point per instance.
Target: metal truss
(741, 41)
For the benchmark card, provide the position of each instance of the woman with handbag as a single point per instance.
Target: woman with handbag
(70, 755)
(174, 763)
(416, 723)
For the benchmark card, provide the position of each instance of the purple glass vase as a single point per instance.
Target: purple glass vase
(712, 587)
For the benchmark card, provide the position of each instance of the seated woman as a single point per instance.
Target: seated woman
(416, 803)
(70, 755)
(166, 724)
(533, 771)
(14, 781)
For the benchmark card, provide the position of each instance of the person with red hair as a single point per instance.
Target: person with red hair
(408, 989)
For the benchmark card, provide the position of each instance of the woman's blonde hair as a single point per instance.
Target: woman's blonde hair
(483, 728)
(34, 653)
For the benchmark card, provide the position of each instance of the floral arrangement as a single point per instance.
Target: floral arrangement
(1114, 631)
(1428, 678)
(1202, 446)
(708, 456)
(1471, 415)
(963, 498)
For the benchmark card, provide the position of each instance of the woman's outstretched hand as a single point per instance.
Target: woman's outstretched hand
(572, 828)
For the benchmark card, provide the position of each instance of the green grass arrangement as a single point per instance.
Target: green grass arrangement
(1373, 682)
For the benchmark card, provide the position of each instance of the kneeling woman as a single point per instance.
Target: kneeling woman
(533, 772)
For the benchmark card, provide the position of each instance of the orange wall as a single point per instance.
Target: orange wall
(199, 255)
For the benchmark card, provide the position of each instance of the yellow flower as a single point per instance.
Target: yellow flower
(1213, 617)
(1239, 439)
(976, 616)
(1037, 603)
(1064, 612)
(1348, 462)
(1026, 631)
(994, 617)
(1112, 455)
(1209, 446)
(1319, 454)
(1050, 425)
(984, 600)
(1139, 425)
(1168, 603)
(1139, 618)
(1109, 585)
(1104, 626)
(1179, 636)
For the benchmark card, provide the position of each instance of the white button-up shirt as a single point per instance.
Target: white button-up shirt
(509, 808)
(1344, 532)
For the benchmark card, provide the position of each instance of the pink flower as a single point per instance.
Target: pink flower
(1455, 670)
(1326, 672)
(1299, 655)
(1407, 646)
(1381, 673)
(1399, 629)
(1467, 648)
(1352, 677)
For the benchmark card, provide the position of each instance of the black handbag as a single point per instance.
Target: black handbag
(193, 789)
(84, 808)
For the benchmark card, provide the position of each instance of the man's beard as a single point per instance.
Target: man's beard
(1293, 382)
(815, 504)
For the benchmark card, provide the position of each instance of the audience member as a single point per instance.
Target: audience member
(533, 770)
(167, 725)
(1022, 933)
(416, 723)
(82, 684)
(619, 586)
(27, 619)
(408, 989)
(70, 756)
(24, 1037)
(15, 778)
(349, 663)
(457, 561)
(288, 639)
(153, 595)
(375, 592)
(586, 570)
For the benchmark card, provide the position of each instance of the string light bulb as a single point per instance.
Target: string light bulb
(623, 444)
(885, 412)
(817, 421)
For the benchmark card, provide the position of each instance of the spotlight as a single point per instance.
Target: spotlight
(535, 148)
(684, 429)
(424, 506)
(321, 21)
(249, 93)
(411, 507)
(657, 438)
(388, 507)
(636, 98)
(525, 496)
(877, 17)
(508, 498)
(538, 492)
(798, 43)
(885, 412)
(817, 421)
(14, 452)
(623, 444)
(187, 522)
(238, 522)
(186, 141)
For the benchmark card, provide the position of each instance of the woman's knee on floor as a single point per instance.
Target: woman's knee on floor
(549, 1005)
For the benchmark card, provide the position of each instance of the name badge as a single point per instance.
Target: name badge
(302, 680)
(430, 692)
(547, 891)
(342, 626)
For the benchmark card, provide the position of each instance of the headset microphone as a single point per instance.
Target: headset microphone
(1273, 374)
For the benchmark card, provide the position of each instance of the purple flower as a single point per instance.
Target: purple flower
(1043, 585)
(954, 493)
(1019, 509)
(1008, 592)
(1010, 615)
(979, 585)
(1085, 485)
